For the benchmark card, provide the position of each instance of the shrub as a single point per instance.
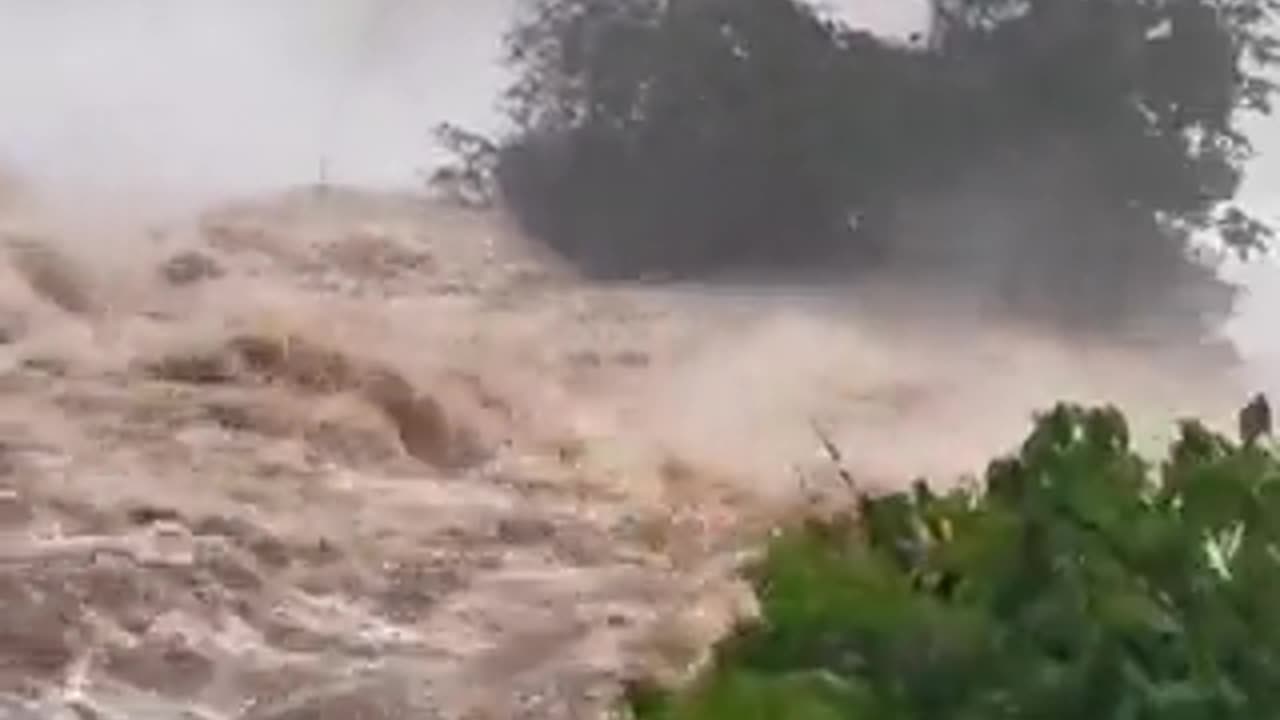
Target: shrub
(1077, 582)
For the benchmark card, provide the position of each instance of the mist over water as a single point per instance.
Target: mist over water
(235, 96)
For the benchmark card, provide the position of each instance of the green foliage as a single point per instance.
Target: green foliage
(1079, 145)
(1075, 584)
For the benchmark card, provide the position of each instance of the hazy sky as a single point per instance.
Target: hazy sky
(235, 92)
(238, 92)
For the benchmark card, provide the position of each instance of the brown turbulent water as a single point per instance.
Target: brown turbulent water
(345, 455)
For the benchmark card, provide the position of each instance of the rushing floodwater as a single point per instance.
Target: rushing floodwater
(249, 94)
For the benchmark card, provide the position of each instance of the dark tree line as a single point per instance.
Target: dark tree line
(1061, 153)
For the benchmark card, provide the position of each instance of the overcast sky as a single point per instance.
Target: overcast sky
(237, 92)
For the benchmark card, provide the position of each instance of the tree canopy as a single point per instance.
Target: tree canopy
(1063, 153)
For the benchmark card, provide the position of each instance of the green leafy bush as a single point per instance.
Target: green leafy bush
(1079, 582)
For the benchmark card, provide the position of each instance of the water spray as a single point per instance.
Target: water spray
(376, 18)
